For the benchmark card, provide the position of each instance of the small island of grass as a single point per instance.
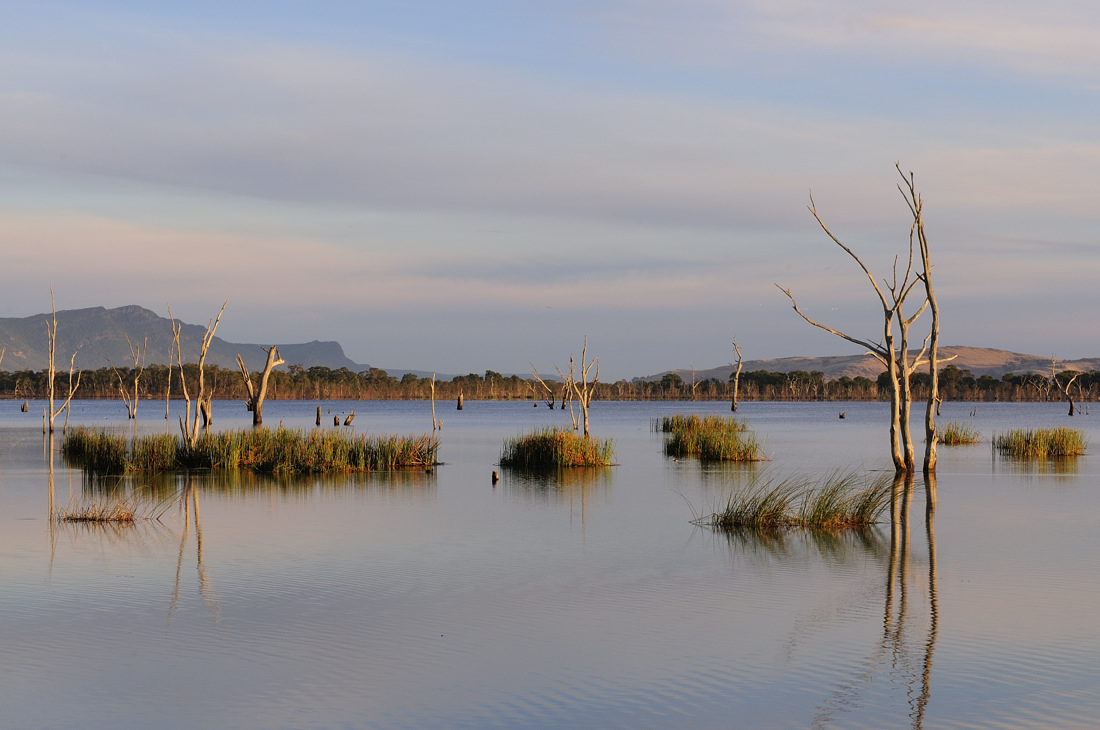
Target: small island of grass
(954, 433)
(552, 448)
(711, 438)
(279, 451)
(1040, 443)
(842, 500)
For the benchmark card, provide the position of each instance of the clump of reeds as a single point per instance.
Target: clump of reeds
(552, 447)
(1040, 443)
(842, 500)
(96, 450)
(120, 511)
(713, 438)
(261, 450)
(693, 422)
(954, 433)
(124, 510)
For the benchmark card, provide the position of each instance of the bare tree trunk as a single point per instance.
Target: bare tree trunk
(435, 425)
(138, 356)
(256, 399)
(188, 425)
(931, 435)
(901, 447)
(736, 376)
(584, 391)
(51, 331)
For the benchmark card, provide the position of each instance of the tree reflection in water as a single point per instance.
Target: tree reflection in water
(908, 638)
(189, 505)
(904, 647)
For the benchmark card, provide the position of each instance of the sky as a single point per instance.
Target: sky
(481, 185)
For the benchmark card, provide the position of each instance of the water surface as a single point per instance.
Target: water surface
(587, 600)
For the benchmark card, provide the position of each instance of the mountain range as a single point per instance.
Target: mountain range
(978, 360)
(98, 336)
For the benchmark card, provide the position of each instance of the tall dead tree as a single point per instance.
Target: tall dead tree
(885, 351)
(256, 397)
(138, 356)
(736, 377)
(1064, 384)
(931, 435)
(189, 425)
(51, 333)
(549, 397)
(584, 390)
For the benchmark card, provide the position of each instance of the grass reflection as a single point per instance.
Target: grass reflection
(557, 485)
(169, 485)
(836, 548)
(1057, 466)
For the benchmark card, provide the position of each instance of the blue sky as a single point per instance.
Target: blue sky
(462, 186)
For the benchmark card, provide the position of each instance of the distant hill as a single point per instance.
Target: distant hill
(978, 360)
(97, 334)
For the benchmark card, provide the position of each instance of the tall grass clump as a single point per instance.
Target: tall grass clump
(841, 500)
(260, 450)
(96, 450)
(552, 448)
(121, 510)
(1040, 443)
(955, 433)
(693, 422)
(713, 438)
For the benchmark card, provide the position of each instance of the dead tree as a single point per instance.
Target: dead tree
(931, 435)
(256, 398)
(549, 397)
(736, 375)
(583, 391)
(51, 333)
(885, 351)
(138, 356)
(190, 426)
(1064, 384)
(436, 425)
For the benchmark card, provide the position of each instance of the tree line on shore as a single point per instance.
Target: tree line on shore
(321, 383)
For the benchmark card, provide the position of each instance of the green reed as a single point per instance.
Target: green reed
(96, 450)
(713, 438)
(841, 500)
(261, 450)
(552, 447)
(1040, 443)
(954, 433)
(693, 422)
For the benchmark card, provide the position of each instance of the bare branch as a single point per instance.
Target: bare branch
(877, 351)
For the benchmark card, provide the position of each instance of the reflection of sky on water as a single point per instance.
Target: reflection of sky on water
(436, 599)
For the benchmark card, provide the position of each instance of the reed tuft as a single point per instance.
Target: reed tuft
(955, 433)
(842, 500)
(553, 448)
(279, 451)
(713, 438)
(1040, 443)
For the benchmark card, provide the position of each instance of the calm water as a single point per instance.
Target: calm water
(438, 600)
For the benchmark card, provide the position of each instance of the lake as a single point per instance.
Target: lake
(436, 599)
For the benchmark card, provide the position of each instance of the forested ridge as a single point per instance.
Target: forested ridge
(323, 383)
